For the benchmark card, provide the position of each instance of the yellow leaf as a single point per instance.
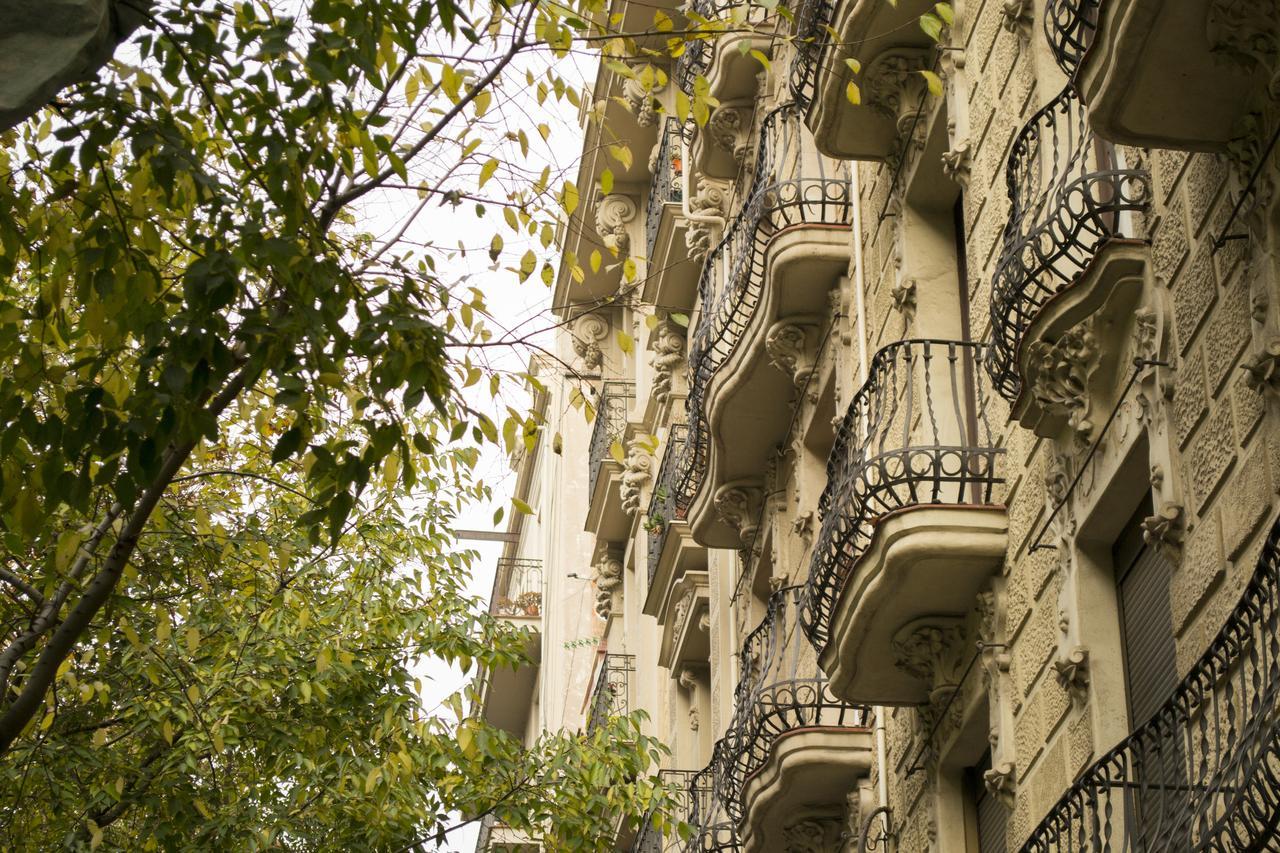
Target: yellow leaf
(487, 170)
(853, 93)
(323, 660)
(163, 628)
(626, 343)
(193, 640)
(651, 322)
(521, 507)
(99, 737)
(854, 65)
(481, 102)
(305, 687)
(371, 781)
(759, 57)
(46, 722)
(606, 181)
(569, 198)
(167, 731)
(615, 450)
(193, 694)
(934, 81)
(596, 260)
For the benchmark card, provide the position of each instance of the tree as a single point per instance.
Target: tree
(233, 434)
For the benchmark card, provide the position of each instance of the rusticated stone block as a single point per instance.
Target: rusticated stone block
(1246, 501)
(1190, 399)
(1248, 406)
(986, 30)
(1194, 291)
(1035, 644)
(1226, 335)
(1206, 173)
(1209, 455)
(1202, 567)
(1227, 260)
(1168, 166)
(1169, 246)
(1079, 743)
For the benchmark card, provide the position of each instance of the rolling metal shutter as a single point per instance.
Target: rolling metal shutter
(1146, 629)
(992, 816)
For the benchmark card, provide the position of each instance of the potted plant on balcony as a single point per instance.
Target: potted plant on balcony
(529, 603)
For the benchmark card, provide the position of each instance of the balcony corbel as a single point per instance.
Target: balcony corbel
(892, 49)
(1168, 75)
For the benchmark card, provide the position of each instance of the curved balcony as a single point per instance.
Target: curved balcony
(605, 516)
(671, 275)
(721, 58)
(908, 526)
(1071, 198)
(793, 226)
(611, 696)
(891, 47)
(1201, 773)
(1166, 75)
(791, 743)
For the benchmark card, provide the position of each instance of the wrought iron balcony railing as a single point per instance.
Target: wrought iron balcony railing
(813, 22)
(610, 425)
(1069, 26)
(667, 186)
(780, 689)
(713, 831)
(1070, 193)
(650, 839)
(662, 503)
(611, 697)
(517, 588)
(1201, 774)
(790, 186)
(917, 432)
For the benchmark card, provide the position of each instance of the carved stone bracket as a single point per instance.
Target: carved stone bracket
(614, 212)
(814, 834)
(1059, 374)
(792, 345)
(729, 128)
(956, 163)
(1071, 671)
(904, 298)
(607, 578)
(636, 475)
(1017, 17)
(639, 92)
(895, 87)
(1001, 781)
(1262, 368)
(667, 346)
(589, 332)
(701, 234)
(1165, 529)
(738, 505)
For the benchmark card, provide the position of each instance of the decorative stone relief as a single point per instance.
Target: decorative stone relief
(1001, 781)
(894, 86)
(700, 235)
(1017, 16)
(813, 834)
(1165, 529)
(920, 647)
(589, 332)
(1071, 671)
(1262, 368)
(636, 475)
(739, 507)
(704, 621)
(1059, 375)
(904, 298)
(614, 212)
(666, 357)
(792, 345)
(680, 613)
(729, 128)
(1243, 33)
(607, 578)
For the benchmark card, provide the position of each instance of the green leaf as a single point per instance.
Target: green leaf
(945, 12)
(932, 26)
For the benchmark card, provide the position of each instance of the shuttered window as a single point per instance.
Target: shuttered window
(1146, 625)
(991, 813)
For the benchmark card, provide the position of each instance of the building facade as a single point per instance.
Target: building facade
(928, 499)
